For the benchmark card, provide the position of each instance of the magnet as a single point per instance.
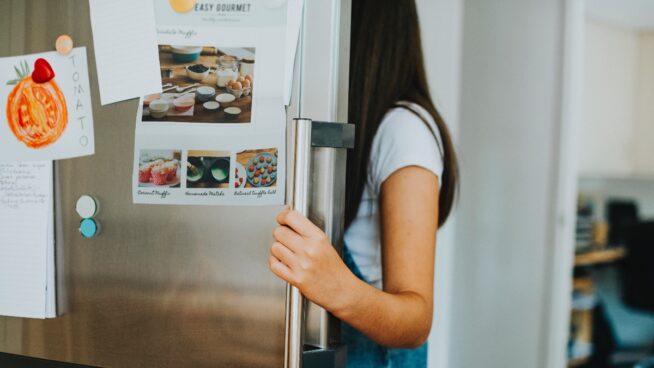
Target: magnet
(87, 206)
(64, 44)
(182, 6)
(89, 228)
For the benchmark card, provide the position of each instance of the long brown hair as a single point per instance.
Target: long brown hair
(387, 66)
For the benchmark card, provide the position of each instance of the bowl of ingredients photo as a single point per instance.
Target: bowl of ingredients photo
(220, 170)
(194, 170)
(185, 54)
(232, 112)
(159, 108)
(225, 98)
(184, 103)
(197, 72)
(211, 105)
(205, 93)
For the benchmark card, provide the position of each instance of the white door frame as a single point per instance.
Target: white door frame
(559, 285)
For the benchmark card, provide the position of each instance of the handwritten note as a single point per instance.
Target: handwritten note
(126, 53)
(26, 239)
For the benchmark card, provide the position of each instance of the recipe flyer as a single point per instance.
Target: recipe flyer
(216, 135)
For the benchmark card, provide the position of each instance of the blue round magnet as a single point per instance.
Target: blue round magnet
(88, 228)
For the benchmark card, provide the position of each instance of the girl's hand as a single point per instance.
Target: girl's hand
(303, 256)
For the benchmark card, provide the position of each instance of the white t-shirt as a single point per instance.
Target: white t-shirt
(402, 140)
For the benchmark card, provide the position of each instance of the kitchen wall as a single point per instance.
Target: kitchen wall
(618, 114)
(611, 54)
(645, 109)
(616, 150)
(512, 83)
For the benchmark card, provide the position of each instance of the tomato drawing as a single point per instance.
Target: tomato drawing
(36, 107)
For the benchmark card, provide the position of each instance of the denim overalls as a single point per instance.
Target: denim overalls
(365, 353)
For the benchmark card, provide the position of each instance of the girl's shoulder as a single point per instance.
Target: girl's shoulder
(408, 123)
(407, 136)
(412, 116)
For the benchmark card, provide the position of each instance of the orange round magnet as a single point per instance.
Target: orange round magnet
(64, 44)
(182, 6)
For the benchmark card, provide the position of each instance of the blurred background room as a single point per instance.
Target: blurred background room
(613, 298)
(549, 261)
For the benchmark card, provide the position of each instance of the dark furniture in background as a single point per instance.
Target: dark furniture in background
(621, 214)
(637, 268)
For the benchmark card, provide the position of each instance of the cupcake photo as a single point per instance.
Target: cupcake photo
(159, 168)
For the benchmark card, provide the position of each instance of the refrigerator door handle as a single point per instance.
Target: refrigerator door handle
(325, 141)
(300, 202)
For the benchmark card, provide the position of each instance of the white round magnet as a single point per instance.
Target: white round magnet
(87, 206)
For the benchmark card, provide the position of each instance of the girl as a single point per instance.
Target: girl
(402, 178)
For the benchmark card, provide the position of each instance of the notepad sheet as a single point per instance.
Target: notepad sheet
(25, 238)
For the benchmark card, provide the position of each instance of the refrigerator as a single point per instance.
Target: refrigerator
(184, 286)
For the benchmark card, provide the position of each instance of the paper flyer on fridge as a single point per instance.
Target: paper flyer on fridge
(216, 135)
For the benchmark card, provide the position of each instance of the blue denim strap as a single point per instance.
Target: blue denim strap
(349, 262)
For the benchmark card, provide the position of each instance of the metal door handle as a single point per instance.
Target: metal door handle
(300, 203)
(321, 135)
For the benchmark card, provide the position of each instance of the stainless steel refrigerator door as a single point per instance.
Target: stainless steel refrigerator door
(162, 286)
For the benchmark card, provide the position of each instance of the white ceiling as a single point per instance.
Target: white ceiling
(637, 14)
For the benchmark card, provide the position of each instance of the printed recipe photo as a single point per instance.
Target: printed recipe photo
(207, 169)
(203, 84)
(159, 168)
(256, 168)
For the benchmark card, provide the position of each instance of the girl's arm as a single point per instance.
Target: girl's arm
(401, 314)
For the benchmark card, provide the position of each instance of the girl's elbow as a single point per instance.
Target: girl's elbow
(420, 333)
(418, 340)
(413, 339)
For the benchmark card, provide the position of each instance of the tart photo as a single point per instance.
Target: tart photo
(256, 168)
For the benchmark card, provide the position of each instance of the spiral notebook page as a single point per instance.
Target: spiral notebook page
(26, 239)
